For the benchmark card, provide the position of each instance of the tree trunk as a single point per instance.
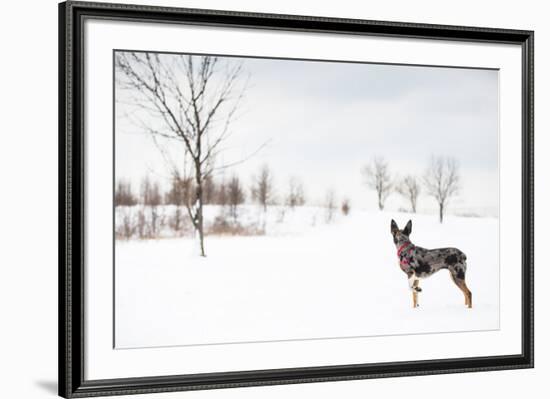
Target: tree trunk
(200, 229)
(380, 204)
(440, 213)
(199, 226)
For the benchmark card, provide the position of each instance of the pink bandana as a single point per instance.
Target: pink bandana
(404, 261)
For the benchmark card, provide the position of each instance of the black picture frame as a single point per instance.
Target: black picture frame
(71, 200)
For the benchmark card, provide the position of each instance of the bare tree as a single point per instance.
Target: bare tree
(181, 191)
(123, 194)
(262, 187)
(141, 225)
(330, 205)
(346, 206)
(409, 188)
(175, 221)
(235, 195)
(296, 195)
(180, 194)
(151, 197)
(442, 181)
(188, 99)
(209, 190)
(150, 192)
(222, 195)
(377, 176)
(125, 226)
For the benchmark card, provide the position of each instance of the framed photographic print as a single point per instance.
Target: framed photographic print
(254, 199)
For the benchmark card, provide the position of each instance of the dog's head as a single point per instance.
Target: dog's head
(400, 236)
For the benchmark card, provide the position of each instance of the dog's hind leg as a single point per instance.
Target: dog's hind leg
(459, 279)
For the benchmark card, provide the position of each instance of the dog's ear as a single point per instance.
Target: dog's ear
(394, 228)
(408, 228)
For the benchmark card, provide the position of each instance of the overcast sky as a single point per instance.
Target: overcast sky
(325, 120)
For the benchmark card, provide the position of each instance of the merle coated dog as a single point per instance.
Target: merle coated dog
(419, 262)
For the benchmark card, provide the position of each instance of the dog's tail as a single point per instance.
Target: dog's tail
(462, 260)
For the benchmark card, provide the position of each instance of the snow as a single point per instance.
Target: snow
(303, 279)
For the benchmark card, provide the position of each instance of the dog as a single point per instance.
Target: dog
(419, 262)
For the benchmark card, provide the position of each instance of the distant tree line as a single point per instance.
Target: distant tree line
(140, 212)
(230, 192)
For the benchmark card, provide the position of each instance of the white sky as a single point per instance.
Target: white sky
(325, 120)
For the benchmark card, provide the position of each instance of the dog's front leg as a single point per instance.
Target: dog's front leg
(413, 285)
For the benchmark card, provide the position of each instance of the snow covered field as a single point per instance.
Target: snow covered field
(303, 279)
